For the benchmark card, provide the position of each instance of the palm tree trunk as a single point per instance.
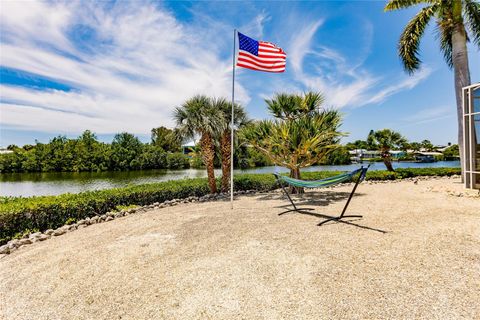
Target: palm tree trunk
(461, 72)
(225, 149)
(208, 153)
(387, 160)
(295, 173)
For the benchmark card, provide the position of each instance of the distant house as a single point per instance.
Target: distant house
(4, 151)
(397, 154)
(188, 149)
(441, 148)
(425, 156)
(362, 154)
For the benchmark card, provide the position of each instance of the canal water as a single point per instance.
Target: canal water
(52, 183)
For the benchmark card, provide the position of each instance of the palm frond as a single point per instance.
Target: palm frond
(410, 39)
(445, 33)
(472, 15)
(403, 4)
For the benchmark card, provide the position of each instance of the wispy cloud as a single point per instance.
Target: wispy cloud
(405, 84)
(346, 83)
(255, 27)
(430, 115)
(142, 63)
(301, 45)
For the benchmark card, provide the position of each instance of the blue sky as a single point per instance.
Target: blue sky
(123, 66)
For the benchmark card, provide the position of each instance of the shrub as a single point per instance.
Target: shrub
(196, 161)
(177, 161)
(19, 215)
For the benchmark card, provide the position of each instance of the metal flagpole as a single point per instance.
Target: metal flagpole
(231, 124)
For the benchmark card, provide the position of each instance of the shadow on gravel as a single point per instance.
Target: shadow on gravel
(323, 198)
(349, 222)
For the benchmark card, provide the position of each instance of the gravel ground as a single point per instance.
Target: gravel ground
(414, 255)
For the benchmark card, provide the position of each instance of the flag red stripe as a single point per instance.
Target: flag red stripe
(267, 44)
(265, 65)
(276, 70)
(268, 49)
(266, 54)
(262, 58)
(271, 54)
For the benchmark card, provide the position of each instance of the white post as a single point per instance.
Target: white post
(231, 124)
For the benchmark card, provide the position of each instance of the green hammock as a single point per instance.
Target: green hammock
(330, 181)
(362, 172)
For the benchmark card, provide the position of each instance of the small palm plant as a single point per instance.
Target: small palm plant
(453, 19)
(198, 117)
(301, 135)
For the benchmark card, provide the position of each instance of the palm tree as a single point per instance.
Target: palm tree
(301, 135)
(385, 140)
(427, 145)
(225, 139)
(197, 116)
(453, 18)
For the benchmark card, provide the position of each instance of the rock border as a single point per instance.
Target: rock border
(15, 244)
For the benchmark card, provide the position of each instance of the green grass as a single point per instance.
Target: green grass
(20, 215)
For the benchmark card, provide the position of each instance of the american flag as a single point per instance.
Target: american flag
(260, 55)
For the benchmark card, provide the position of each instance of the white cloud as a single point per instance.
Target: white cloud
(141, 63)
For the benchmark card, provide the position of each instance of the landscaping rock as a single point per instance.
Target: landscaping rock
(108, 219)
(43, 237)
(5, 249)
(14, 243)
(80, 222)
(49, 232)
(59, 231)
(34, 235)
(23, 242)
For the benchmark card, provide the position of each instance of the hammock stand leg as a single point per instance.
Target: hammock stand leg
(291, 201)
(342, 215)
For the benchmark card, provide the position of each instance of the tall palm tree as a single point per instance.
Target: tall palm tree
(198, 117)
(453, 18)
(240, 119)
(384, 140)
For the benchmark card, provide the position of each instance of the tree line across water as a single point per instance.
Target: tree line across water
(86, 153)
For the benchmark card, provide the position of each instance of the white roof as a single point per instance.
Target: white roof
(424, 153)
